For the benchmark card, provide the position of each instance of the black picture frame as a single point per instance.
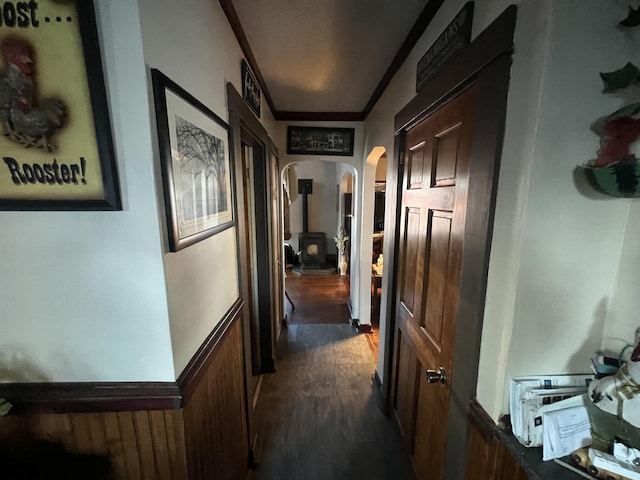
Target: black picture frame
(195, 162)
(250, 88)
(320, 141)
(65, 176)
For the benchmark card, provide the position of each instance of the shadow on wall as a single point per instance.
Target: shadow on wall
(15, 368)
(579, 361)
(585, 189)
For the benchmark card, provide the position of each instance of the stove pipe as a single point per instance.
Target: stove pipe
(305, 187)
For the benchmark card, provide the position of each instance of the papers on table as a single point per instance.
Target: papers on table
(533, 396)
(565, 430)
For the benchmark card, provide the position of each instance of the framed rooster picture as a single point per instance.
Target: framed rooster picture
(56, 146)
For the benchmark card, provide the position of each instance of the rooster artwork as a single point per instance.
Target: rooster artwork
(24, 118)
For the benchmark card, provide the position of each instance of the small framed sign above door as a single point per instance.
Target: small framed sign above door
(250, 88)
(455, 37)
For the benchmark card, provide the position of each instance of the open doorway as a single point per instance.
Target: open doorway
(345, 221)
(377, 244)
(318, 197)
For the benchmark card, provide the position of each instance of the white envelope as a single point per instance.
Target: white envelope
(535, 420)
(521, 403)
(565, 431)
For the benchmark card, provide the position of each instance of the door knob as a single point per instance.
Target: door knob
(437, 376)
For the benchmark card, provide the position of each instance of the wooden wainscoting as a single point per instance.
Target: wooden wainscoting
(119, 445)
(191, 429)
(215, 415)
(488, 458)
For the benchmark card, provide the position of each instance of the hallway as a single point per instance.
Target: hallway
(323, 299)
(317, 416)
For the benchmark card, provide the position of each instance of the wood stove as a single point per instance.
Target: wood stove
(312, 245)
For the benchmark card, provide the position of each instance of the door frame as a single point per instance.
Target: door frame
(485, 62)
(244, 124)
(277, 259)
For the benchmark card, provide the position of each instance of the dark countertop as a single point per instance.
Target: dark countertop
(531, 460)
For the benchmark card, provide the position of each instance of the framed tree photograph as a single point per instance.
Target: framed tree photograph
(55, 129)
(320, 141)
(196, 171)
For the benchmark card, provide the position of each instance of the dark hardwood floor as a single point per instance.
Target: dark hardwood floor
(322, 299)
(318, 298)
(317, 416)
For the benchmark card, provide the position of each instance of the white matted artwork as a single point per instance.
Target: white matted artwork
(194, 152)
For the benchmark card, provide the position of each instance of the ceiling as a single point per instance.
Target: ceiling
(326, 59)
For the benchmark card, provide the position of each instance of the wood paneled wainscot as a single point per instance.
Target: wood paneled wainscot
(194, 428)
(487, 456)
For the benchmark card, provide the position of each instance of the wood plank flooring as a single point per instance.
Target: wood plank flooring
(323, 299)
(317, 416)
(318, 299)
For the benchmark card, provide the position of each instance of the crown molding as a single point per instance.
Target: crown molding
(420, 25)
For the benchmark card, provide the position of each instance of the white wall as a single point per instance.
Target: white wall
(345, 178)
(381, 169)
(571, 242)
(531, 40)
(202, 279)
(555, 254)
(321, 204)
(622, 318)
(83, 293)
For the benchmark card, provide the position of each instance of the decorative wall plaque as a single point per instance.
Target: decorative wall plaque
(455, 37)
(250, 88)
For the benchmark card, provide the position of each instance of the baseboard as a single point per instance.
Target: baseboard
(362, 327)
(79, 397)
(365, 328)
(378, 389)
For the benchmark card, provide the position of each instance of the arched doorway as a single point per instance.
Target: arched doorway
(372, 235)
(333, 186)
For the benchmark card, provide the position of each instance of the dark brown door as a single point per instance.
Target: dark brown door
(432, 226)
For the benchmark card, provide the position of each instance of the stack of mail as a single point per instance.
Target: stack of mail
(531, 397)
(567, 429)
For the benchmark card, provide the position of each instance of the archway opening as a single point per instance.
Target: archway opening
(371, 244)
(329, 185)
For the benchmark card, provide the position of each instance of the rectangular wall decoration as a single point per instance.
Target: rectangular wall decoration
(56, 147)
(196, 173)
(320, 141)
(455, 37)
(250, 88)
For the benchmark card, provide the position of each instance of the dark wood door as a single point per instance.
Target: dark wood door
(432, 226)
